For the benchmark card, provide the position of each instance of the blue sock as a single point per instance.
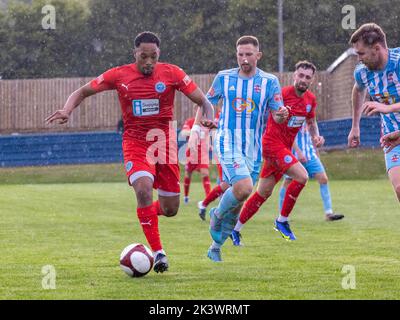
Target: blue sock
(282, 193)
(228, 202)
(326, 197)
(228, 225)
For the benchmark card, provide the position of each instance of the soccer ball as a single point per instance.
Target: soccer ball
(136, 260)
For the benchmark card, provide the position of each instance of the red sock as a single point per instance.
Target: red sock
(149, 221)
(212, 195)
(186, 186)
(206, 185)
(158, 209)
(292, 192)
(250, 207)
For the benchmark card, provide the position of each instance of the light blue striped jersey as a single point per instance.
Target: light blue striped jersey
(244, 111)
(384, 87)
(305, 144)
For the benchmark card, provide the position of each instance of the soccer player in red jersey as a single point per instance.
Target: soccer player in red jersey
(197, 161)
(146, 91)
(278, 158)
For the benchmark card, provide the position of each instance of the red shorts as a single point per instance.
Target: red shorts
(138, 164)
(277, 163)
(190, 167)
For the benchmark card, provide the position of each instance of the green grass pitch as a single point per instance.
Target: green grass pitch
(81, 228)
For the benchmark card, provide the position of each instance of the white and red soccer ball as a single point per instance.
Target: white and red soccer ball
(136, 260)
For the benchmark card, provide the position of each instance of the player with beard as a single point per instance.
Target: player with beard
(278, 158)
(378, 73)
(247, 95)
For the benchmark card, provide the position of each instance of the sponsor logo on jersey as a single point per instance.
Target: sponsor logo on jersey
(232, 88)
(308, 107)
(240, 104)
(160, 87)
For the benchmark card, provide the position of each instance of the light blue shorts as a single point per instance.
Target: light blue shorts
(314, 166)
(240, 168)
(392, 158)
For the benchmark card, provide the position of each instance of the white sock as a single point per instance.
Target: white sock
(159, 251)
(201, 205)
(238, 226)
(215, 245)
(282, 218)
(330, 211)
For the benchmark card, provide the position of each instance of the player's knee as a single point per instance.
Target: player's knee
(244, 192)
(144, 195)
(397, 190)
(303, 179)
(265, 193)
(323, 180)
(170, 211)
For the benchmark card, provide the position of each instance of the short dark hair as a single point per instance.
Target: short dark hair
(370, 34)
(248, 40)
(147, 37)
(305, 65)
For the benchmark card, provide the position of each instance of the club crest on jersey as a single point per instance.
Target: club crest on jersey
(257, 88)
(160, 87)
(288, 159)
(128, 166)
(236, 165)
(308, 108)
(395, 158)
(390, 76)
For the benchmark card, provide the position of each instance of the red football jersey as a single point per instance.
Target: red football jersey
(281, 135)
(147, 102)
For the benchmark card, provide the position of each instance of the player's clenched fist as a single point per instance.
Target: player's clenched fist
(61, 116)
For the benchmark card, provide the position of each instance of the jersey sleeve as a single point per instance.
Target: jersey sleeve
(183, 82)
(358, 78)
(105, 81)
(275, 100)
(214, 94)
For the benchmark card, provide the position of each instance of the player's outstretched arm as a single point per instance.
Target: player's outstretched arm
(206, 108)
(73, 101)
(358, 97)
(317, 139)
